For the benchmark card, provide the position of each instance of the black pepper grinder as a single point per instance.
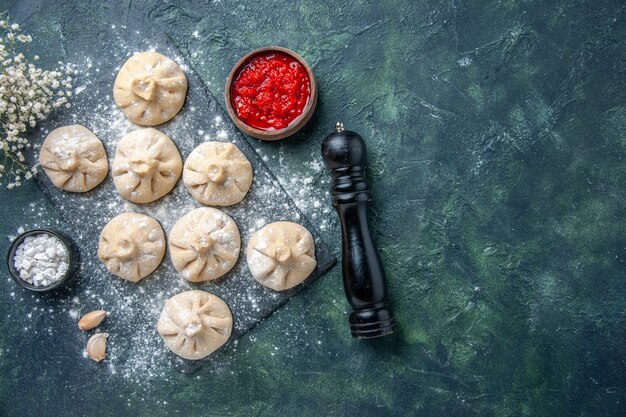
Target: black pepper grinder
(364, 280)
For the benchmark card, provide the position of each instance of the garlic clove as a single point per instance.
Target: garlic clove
(97, 346)
(91, 320)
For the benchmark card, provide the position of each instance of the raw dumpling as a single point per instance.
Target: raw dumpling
(217, 174)
(195, 323)
(204, 244)
(146, 165)
(74, 158)
(150, 88)
(281, 255)
(132, 246)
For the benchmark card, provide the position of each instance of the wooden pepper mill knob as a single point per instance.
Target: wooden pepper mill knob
(344, 152)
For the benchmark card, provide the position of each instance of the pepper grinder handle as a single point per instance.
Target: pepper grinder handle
(364, 281)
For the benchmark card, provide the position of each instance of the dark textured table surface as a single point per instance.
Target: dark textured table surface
(497, 135)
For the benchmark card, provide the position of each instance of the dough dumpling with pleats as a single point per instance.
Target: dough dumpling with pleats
(281, 255)
(74, 158)
(195, 324)
(150, 88)
(204, 244)
(217, 174)
(132, 246)
(147, 165)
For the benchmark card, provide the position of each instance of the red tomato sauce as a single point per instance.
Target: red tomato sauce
(270, 91)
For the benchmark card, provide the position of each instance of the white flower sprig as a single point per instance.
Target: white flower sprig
(27, 95)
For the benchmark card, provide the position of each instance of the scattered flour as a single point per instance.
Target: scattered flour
(135, 350)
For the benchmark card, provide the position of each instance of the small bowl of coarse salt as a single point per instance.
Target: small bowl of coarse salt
(42, 259)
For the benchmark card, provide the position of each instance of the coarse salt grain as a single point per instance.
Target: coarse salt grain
(41, 260)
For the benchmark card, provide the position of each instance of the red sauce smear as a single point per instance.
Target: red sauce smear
(271, 91)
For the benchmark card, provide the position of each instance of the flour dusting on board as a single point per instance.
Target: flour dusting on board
(135, 351)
